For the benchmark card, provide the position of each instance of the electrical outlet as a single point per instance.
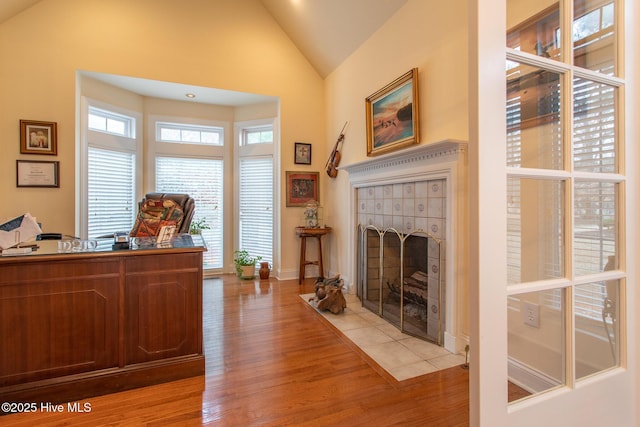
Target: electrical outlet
(531, 314)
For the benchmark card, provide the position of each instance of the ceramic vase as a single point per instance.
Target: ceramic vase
(264, 270)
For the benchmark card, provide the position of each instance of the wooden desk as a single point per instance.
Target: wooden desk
(303, 233)
(75, 325)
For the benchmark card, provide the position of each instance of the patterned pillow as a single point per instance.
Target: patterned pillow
(155, 214)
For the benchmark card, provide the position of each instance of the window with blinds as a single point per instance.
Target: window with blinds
(111, 172)
(111, 191)
(256, 206)
(202, 179)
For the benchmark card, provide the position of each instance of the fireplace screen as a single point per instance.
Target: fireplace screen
(400, 279)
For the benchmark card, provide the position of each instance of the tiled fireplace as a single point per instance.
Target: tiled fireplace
(409, 228)
(401, 254)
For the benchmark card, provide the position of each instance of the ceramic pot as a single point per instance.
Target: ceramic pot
(248, 271)
(264, 270)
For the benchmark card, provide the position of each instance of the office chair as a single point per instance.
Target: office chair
(159, 209)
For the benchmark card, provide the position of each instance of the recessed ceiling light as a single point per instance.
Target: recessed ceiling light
(190, 95)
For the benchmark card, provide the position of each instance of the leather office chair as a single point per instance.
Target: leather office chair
(184, 203)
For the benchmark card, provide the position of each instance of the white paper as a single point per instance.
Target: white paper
(28, 230)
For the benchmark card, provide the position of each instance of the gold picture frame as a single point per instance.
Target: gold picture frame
(38, 137)
(393, 115)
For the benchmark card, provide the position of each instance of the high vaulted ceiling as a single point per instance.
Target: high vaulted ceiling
(328, 31)
(325, 31)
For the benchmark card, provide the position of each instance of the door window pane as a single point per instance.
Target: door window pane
(594, 122)
(597, 327)
(534, 29)
(534, 132)
(536, 342)
(594, 35)
(595, 229)
(535, 229)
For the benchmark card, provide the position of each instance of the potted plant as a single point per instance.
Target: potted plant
(245, 264)
(196, 227)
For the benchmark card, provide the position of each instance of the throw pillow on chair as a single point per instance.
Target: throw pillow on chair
(155, 214)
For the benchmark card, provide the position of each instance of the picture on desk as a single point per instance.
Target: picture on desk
(302, 187)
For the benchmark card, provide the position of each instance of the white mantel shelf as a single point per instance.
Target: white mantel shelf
(404, 164)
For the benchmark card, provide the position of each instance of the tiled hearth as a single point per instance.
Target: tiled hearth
(401, 356)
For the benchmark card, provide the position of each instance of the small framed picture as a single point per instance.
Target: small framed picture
(302, 154)
(38, 137)
(34, 173)
(302, 187)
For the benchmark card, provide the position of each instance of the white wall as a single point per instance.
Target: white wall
(226, 44)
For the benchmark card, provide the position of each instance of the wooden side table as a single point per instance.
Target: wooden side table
(303, 233)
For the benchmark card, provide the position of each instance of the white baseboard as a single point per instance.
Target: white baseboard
(451, 343)
(529, 378)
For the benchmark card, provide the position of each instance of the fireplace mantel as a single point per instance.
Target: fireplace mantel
(405, 165)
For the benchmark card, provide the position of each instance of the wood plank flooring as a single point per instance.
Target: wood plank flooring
(272, 361)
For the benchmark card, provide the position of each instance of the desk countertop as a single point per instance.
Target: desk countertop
(104, 248)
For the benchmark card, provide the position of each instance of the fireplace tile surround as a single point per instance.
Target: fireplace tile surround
(420, 188)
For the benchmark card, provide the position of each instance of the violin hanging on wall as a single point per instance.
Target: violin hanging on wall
(334, 158)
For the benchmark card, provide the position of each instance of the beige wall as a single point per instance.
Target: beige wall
(227, 44)
(431, 36)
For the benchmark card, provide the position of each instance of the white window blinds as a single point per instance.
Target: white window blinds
(202, 179)
(256, 206)
(111, 191)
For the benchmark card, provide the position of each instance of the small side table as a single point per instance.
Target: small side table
(303, 233)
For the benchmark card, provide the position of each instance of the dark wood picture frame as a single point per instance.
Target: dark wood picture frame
(393, 116)
(302, 153)
(38, 137)
(302, 187)
(37, 173)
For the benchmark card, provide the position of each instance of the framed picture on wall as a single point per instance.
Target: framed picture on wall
(302, 154)
(36, 173)
(38, 137)
(392, 115)
(302, 187)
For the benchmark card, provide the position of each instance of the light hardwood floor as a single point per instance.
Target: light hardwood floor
(272, 361)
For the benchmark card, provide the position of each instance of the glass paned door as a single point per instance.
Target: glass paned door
(202, 179)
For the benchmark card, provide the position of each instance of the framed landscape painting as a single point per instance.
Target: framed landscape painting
(392, 115)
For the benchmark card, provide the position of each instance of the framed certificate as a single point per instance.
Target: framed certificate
(37, 173)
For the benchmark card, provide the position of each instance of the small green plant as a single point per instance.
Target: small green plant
(242, 258)
(196, 227)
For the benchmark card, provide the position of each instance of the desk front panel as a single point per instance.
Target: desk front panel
(163, 304)
(58, 318)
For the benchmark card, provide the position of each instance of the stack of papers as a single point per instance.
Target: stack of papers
(21, 229)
